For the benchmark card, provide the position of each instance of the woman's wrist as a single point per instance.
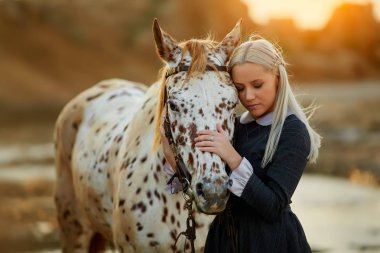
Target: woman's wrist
(234, 160)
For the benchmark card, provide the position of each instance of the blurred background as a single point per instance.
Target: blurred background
(52, 50)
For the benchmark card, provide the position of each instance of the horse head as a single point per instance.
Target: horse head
(198, 93)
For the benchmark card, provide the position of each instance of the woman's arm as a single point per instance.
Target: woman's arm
(283, 174)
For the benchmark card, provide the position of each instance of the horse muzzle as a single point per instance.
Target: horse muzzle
(211, 194)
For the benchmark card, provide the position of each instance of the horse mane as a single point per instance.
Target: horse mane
(199, 61)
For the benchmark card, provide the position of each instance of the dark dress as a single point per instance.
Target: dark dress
(261, 219)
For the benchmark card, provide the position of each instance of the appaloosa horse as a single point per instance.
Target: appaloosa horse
(110, 182)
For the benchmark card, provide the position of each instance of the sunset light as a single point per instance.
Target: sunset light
(306, 13)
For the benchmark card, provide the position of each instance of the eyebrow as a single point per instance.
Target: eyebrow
(256, 80)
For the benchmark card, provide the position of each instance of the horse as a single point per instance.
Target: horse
(110, 184)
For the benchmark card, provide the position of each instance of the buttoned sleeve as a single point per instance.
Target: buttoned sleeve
(239, 177)
(270, 197)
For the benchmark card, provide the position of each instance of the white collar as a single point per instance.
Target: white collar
(266, 120)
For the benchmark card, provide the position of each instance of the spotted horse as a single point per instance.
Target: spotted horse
(110, 184)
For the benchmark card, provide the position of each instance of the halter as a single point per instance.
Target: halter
(177, 69)
(182, 172)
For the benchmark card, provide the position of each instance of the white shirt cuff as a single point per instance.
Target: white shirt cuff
(239, 177)
(175, 186)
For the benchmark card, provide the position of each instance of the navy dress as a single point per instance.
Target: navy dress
(261, 220)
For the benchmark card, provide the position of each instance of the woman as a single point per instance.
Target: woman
(273, 141)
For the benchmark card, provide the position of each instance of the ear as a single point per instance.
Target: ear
(167, 47)
(232, 39)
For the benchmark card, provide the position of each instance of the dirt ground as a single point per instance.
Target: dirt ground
(348, 119)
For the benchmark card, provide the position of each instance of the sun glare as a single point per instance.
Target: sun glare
(307, 14)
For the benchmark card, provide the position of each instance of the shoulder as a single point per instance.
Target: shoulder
(294, 133)
(293, 124)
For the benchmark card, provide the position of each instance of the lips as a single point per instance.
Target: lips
(253, 106)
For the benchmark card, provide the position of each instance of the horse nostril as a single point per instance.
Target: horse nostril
(199, 189)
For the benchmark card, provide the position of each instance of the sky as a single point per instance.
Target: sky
(307, 14)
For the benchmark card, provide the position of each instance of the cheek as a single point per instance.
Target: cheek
(241, 96)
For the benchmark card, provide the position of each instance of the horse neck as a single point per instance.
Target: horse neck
(141, 127)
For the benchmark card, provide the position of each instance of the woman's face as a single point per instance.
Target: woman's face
(256, 86)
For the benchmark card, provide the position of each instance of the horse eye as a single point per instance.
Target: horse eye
(173, 106)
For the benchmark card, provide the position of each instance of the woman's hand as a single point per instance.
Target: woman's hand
(217, 142)
(169, 156)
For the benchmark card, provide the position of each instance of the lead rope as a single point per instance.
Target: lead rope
(190, 225)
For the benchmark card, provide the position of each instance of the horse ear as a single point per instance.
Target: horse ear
(232, 39)
(167, 47)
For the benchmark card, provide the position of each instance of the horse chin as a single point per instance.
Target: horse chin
(210, 207)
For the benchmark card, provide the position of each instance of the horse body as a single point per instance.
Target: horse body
(110, 182)
(107, 172)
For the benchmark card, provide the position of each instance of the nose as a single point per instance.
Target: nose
(211, 194)
(250, 94)
(199, 189)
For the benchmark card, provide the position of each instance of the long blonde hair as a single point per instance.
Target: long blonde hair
(260, 51)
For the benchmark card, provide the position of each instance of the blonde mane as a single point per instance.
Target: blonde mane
(197, 50)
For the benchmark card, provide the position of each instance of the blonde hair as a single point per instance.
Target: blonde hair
(260, 51)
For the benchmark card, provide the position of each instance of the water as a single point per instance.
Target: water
(338, 216)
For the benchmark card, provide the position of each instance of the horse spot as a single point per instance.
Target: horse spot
(182, 129)
(218, 110)
(222, 105)
(121, 202)
(181, 140)
(145, 178)
(153, 243)
(155, 177)
(138, 191)
(191, 159)
(164, 214)
(94, 96)
(130, 175)
(157, 195)
(172, 219)
(173, 234)
(139, 226)
(142, 160)
(150, 235)
(126, 237)
(98, 130)
(164, 198)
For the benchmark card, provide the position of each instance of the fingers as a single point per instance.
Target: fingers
(219, 128)
(205, 132)
(205, 137)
